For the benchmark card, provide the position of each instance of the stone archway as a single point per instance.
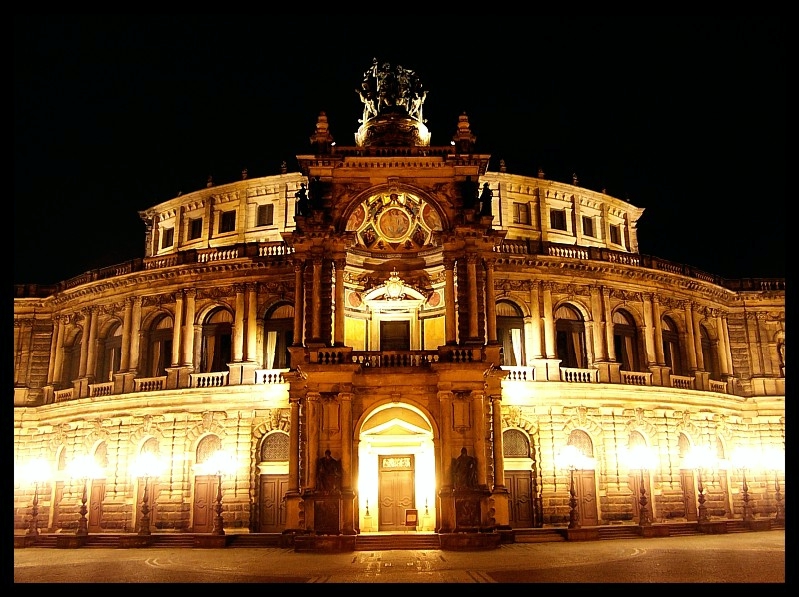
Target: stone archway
(396, 469)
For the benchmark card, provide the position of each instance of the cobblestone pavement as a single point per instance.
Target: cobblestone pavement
(757, 557)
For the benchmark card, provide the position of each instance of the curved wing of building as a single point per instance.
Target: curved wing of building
(395, 329)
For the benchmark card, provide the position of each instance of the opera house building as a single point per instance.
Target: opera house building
(392, 339)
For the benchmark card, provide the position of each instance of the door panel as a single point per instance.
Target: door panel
(395, 491)
(205, 487)
(585, 487)
(272, 517)
(96, 505)
(688, 494)
(519, 484)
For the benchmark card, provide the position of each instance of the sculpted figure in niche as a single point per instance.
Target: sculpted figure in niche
(464, 471)
(328, 473)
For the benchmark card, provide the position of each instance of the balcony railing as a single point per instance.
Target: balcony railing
(575, 375)
(682, 382)
(216, 379)
(149, 384)
(101, 389)
(390, 358)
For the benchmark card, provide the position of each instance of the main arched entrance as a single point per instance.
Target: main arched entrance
(396, 470)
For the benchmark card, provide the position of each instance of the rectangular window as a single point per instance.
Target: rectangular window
(588, 226)
(521, 213)
(195, 228)
(227, 222)
(167, 238)
(557, 219)
(266, 214)
(615, 234)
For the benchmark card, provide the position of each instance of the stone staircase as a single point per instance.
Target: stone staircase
(390, 541)
(542, 535)
(618, 531)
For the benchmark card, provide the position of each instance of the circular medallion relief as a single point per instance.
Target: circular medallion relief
(354, 299)
(394, 224)
(434, 300)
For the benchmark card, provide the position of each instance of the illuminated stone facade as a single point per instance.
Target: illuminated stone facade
(394, 302)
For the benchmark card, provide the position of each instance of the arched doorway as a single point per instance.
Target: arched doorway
(396, 469)
(585, 479)
(273, 465)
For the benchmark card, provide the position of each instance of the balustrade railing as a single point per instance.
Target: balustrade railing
(149, 384)
(270, 376)
(390, 358)
(574, 375)
(62, 395)
(101, 389)
(636, 378)
(682, 382)
(215, 379)
(519, 373)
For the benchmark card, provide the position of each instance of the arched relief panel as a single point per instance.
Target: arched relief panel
(393, 218)
(521, 417)
(208, 425)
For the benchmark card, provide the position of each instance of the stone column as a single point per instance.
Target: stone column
(445, 398)
(450, 325)
(91, 363)
(491, 303)
(188, 332)
(549, 322)
(659, 355)
(535, 321)
(479, 436)
(499, 457)
(56, 351)
(312, 426)
(238, 325)
(727, 350)
(700, 357)
(471, 269)
(299, 297)
(690, 345)
(339, 322)
(316, 300)
(135, 331)
(252, 320)
(649, 330)
(600, 347)
(294, 443)
(84, 341)
(348, 519)
(124, 359)
(721, 346)
(177, 325)
(447, 511)
(608, 317)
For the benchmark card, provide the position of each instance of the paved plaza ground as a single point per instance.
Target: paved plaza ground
(756, 557)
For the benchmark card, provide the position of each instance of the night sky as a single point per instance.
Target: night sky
(684, 117)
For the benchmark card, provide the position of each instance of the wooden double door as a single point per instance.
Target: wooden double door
(272, 503)
(395, 491)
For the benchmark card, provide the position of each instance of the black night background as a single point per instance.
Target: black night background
(682, 116)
